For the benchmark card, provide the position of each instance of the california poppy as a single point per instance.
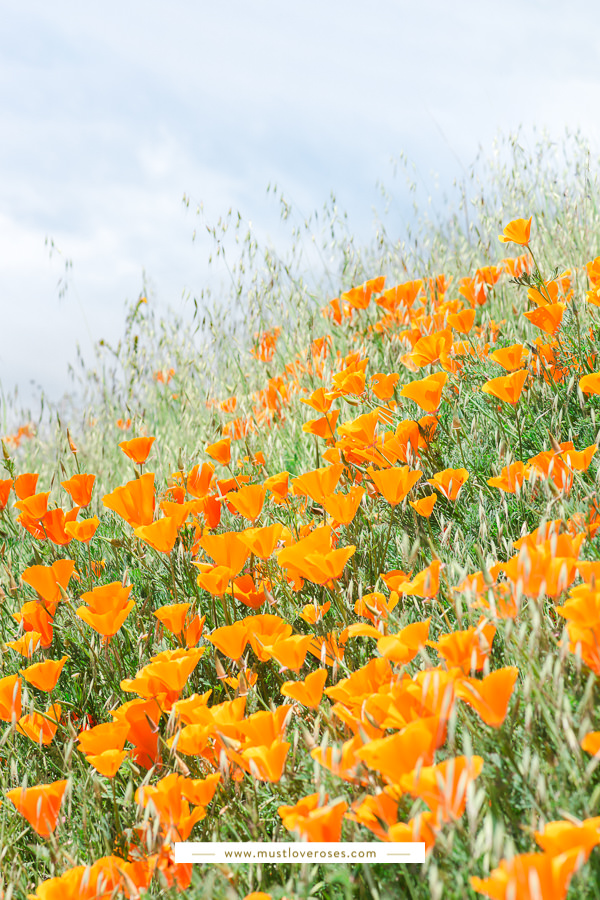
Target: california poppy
(173, 616)
(10, 698)
(510, 358)
(307, 692)
(449, 482)
(547, 318)
(161, 534)
(79, 487)
(426, 392)
(394, 483)
(490, 696)
(137, 449)
(426, 584)
(44, 675)
(360, 297)
(517, 231)
(443, 787)
(40, 728)
(507, 387)
(134, 501)
(84, 530)
(108, 607)
(26, 484)
(531, 875)
(424, 506)
(40, 805)
(248, 501)
(220, 451)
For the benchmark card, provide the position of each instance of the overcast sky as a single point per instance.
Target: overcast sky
(110, 113)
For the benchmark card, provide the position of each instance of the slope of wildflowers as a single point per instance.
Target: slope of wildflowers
(359, 603)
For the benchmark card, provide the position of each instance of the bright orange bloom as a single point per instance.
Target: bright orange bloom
(426, 392)
(443, 787)
(510, 358)
(10, 698)
(517, 231)
(531, 876)
(424, 507)
(108, 762)
(248, 500)
(231, 640)
(173, 616)
(40, 728)
(40, 805)
(319, 483)
(402, 647)
(48, 580)
(466, 650)
(320, 400)
(398, 754)
(36, 619)
(44, 675)
(449, 482)
(35, 506)
(26, 645)
(323, 427)
(227, 549)
(107, 736)
(108, 607)
(5, 488)
(375, 606)
(343, 507)
(431, 348)
(262, 541)
(394, 483)
(311, 557)
(383, 386)
(511, 477)
(137, 449)
(79, 487)
(161, 535)
(278, 486)
(360, 297)
(507, 387)
(134, 501)
(248, 592)
(265, 763)
(82, 531)
(590, 384)
(426, 584)
(220, 451)
(462, 321)
(547, 318)
(165, 676)
(307, 692)
(490, 696)
(290, 652)
(26, 484)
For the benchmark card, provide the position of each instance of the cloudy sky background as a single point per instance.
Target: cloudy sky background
(109, 115)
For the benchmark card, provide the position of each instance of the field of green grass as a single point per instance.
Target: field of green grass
(321, 565)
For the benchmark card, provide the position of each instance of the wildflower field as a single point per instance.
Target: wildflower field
(332, 579)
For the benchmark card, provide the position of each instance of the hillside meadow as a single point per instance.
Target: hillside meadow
(322, 565)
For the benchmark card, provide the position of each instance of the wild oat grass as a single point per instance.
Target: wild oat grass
(468, 628)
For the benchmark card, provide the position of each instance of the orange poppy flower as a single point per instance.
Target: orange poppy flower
(248, 501)
(108, 762)
(5, 488)
(231, 640)
(517, 231)
(320, 400)
(44, 675)
(34, 506)
(220, 451)
(462, 321)
(278, 486)
(319, 483)
(161, 535)
(449, 482)
(531, 875)
(108, 607)
(426, 584)
(26, 645)
(290, 652)
(511, 477)
(443, 787)
(82, 531)
(262, 541)
(490, 696)
(590, 384)
(343, 507)
(431, 348)
(134, 501)
(466, 650)
(36, 619)
(395, 483)
(313, 613)
(507, 387)
(10, 698)
(323, 427)
(426, 392)
(510, 358)
(402, 647)
(199, 479)
(547, 318)
(558, 837)
(265, 763)
(79, 487)
(142, 718)
(307, 692)
(383, 385)
(138, 449)
(107, 736)
(26, 484)
(173, 616)
(398, 754)
(48, 580)
(360, 297)
(40, 805)
(322, 824)
(248, 592)
(227, 549)
(40, 728)
(424, 507)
